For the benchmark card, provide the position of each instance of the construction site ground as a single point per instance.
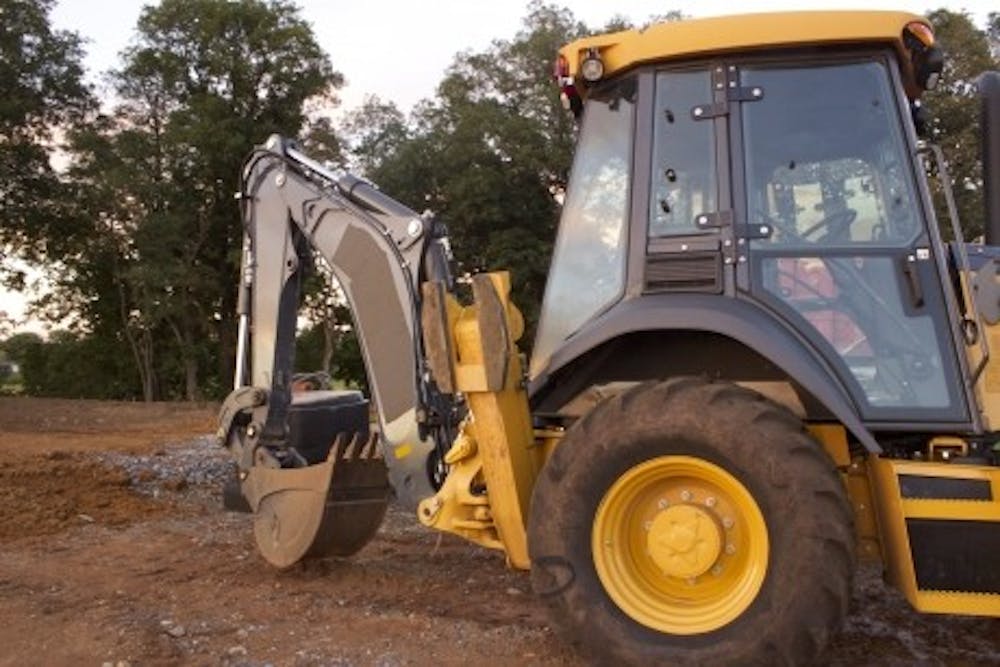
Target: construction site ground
(115, 549)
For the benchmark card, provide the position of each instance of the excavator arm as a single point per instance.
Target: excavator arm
(380, 252)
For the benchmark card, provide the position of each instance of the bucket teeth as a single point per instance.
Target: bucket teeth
(337, 448)
(351, 450)
(355, 447)
(370, 450)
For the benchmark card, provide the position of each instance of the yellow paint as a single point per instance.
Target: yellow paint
(859, 494)
(403, 451)
(987, 389)
(893, 510)
(747, 33)
(496, 451)
(833, 437)
(684, 541)
(680, 545)
(458, 507)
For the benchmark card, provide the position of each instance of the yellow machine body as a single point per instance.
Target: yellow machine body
(940, 531)
(495, 449)
(744, 34)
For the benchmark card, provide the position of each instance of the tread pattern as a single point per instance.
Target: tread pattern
(805, 596)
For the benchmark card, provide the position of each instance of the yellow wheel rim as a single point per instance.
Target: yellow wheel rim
(680, 545)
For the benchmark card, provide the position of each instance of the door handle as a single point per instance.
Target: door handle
(912, 276)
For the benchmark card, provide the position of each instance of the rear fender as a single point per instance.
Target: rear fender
(741, 321)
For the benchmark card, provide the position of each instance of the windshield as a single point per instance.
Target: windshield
(588, 262)
(826, 158)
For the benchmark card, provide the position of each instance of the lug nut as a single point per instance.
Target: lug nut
(685, 495)
(662, 504)
(710, 501)
(730, 549)
(727, 523)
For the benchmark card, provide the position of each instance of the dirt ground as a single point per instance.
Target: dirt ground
(114, 550)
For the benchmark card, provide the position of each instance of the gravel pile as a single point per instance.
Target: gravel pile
(175, 466)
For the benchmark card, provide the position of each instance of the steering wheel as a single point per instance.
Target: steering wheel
(837, 223)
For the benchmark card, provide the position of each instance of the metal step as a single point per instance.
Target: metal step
(940, 531)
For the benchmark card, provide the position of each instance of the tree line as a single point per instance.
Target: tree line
(137, 233)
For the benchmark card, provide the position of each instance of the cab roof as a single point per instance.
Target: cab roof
(676, 40)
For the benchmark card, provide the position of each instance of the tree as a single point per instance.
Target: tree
(202, 83)
(954, 107)
(41, 77)
(485, 153)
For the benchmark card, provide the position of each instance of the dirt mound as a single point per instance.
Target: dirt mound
(44, 424)
(42, 494)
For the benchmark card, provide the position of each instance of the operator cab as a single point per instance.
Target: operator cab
(765, 197)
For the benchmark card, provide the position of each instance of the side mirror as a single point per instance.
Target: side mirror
(928, 66)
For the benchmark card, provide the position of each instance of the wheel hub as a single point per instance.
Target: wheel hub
(680, 545)
(684, 541)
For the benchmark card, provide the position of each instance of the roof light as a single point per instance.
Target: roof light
(592, 67)
(921, 31)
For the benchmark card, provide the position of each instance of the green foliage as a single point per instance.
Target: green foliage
(347, 367)
(486, 153)
(144, 227)
(954, 107)
(41, 79)
(202, 83)
(74, 366)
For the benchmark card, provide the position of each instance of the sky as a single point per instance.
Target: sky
(399, 49)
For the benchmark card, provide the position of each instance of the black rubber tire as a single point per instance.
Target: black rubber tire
(806, 590)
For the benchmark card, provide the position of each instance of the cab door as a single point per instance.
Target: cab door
(848, 258)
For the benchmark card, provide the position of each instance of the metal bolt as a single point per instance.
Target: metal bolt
(727, 523)
(741, 259)
(691, 581)
(662, 504)
(279, 180)
(764, 229)
(717, 570)
(685, 495)
(702, 219)
(710, 501)
(727, 260)
(647, 525)
(757, 92)
(730, 549)
(607, 543)
(727, 243)
(414, 228)
(684, 246)
(698, 111)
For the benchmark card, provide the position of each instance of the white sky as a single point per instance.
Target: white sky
(399, 49)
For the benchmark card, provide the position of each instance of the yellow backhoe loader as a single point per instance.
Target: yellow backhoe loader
(757, 361)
